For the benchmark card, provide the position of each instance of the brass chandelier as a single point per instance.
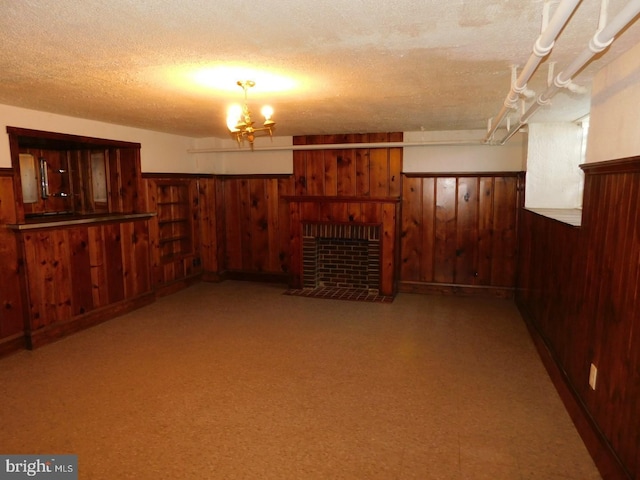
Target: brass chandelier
(239, 119)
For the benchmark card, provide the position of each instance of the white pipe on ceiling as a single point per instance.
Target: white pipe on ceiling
(600, 41)
(541, 49)
(340, 146)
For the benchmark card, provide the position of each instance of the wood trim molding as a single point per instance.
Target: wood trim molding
(50, 139)
(6, 172)
(431, 288)
(329, 199)
(56, 331)
(186, 176)
(461, 174)
(258, 176)
(623, 165)
(12, 344)
(266, 277)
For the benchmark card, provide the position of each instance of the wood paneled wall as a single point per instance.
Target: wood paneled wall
(459, 232)
(580, 290)
(211, 231)
(255, 220)
(11, 309)
(352, 172)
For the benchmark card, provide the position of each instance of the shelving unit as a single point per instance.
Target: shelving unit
(175, 227)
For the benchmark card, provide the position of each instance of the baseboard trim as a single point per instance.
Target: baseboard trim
(51, 333)
(177, 285)
(12, 344)
(455, 289)
(603, 454)
(256, 277)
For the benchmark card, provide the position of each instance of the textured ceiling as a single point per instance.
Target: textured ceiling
(355, 65)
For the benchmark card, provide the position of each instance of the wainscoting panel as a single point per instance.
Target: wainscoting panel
(459, 232)
(578, 287)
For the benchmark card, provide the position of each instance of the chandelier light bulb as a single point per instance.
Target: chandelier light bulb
(267, 112)
(233, 117)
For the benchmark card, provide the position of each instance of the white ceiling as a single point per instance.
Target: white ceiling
(359, 66)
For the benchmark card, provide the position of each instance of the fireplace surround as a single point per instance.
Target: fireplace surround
(338, 255)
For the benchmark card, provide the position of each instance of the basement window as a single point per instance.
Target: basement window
(555, 182)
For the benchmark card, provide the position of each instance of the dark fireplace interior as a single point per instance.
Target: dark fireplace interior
(341, 256)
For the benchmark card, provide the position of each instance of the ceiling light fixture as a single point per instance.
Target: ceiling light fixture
(239, 118)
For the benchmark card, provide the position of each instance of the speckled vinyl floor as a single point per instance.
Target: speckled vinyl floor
(238, 381)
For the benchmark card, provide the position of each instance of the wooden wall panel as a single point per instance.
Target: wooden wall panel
(256, 223)
(346, 173)
(207, 225)
(75, 274)
(286, 187)
(98, 267)
(467, 231)
(388, 245)
(504, 246)
(412, 228)
(82, 290)
(460, 231)
(428, 233)
(233, 231)
(379, 172)
(129, 181)
(359, 172)
(113, 250)
(445, 226)
(485, 230)
(48, 271)
(244, 221)
(363, 178)
(333, 157)
(11, 301)
(579, 289)
(315, 172)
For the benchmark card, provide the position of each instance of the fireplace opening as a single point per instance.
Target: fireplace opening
(341, 256)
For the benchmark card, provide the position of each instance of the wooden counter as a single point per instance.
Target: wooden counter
(61, 221)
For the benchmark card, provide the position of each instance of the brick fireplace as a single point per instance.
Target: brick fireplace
(354, 188)
(343, 256)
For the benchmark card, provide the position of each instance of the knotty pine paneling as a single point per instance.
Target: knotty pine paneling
(73, 271)
(579, 289)
(125, 181)
(208, 233)
(256, 223)
(11, 306)
(352, 172)
(460, 231)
